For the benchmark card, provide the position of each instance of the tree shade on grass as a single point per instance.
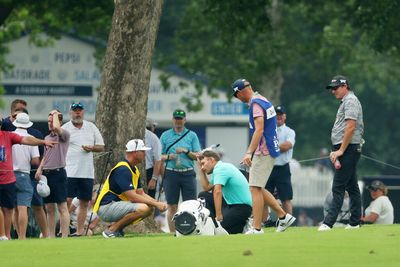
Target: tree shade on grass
(298, 246)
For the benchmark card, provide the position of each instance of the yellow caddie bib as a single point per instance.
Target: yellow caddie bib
(106, 186)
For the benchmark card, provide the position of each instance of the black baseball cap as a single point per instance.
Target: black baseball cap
(376, 185)
(337, 81)
(239, 85)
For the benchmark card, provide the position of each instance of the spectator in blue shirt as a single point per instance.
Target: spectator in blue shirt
(179, 147)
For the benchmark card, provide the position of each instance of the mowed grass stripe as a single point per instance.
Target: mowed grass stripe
(298, 246)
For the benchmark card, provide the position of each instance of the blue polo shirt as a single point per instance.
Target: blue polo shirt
(235, 188)
(190, 142)
(120, 181)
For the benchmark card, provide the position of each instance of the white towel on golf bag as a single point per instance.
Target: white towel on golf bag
(193, 218)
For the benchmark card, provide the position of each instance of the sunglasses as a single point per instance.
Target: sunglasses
(181, 113)
(76, 105)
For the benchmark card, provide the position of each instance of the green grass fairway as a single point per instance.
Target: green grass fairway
(298, 246)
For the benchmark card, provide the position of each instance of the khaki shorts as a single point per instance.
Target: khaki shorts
(261, 168)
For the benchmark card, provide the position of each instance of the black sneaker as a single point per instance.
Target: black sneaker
(74, 235)
(269, 223)
(111, 234)
(122, 234)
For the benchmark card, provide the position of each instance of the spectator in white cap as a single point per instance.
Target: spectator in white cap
(23, 156)
(121, 199)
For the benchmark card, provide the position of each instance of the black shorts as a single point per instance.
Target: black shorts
(176, 183)
(280, 179)
(149, 175)
(57, 181)
(235, 216)
(8, 195)
(80, 187)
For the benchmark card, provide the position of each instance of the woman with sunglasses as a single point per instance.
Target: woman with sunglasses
(380, 210)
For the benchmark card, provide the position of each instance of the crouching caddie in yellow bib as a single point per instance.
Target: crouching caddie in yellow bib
(121, 200)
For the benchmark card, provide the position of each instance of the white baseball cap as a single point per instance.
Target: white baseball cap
(136, 145)
(42, 188)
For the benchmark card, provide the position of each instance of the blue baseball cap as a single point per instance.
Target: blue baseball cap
(75, 106)
(239, 85)
(280, 109)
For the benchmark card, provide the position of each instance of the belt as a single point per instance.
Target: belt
(180, 170)
(349, 145)
(53, 170)
(281, 166)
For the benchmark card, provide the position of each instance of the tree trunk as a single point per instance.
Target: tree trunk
(271, 86)
(122, 102)
(272, 82)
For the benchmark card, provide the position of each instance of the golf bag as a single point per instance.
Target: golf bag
(192, 218)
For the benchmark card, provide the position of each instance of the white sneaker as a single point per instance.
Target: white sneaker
(349, 227)
(248, 226)
(324, 227)
(220, 230)
(285, 223)
(253, 231)
(3, 238)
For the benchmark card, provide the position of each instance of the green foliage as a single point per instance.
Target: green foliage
(379, 19)
(31, 17)
(310, 41)
(218, 41)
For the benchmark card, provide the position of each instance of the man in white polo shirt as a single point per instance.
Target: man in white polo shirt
(85, 139)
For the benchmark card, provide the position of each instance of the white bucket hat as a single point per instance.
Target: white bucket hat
(22, 121)
(136, 145)
(42, 188)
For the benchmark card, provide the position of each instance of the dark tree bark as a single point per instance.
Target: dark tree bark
(122, 103)
(5, 11)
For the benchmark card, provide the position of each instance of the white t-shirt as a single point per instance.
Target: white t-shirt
(384, 208)
(74, 214)
(154, 154)
(23, 154)
(79, 163)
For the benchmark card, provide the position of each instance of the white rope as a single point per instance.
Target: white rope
(100, 154)
(381, 162)
(312, 159)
